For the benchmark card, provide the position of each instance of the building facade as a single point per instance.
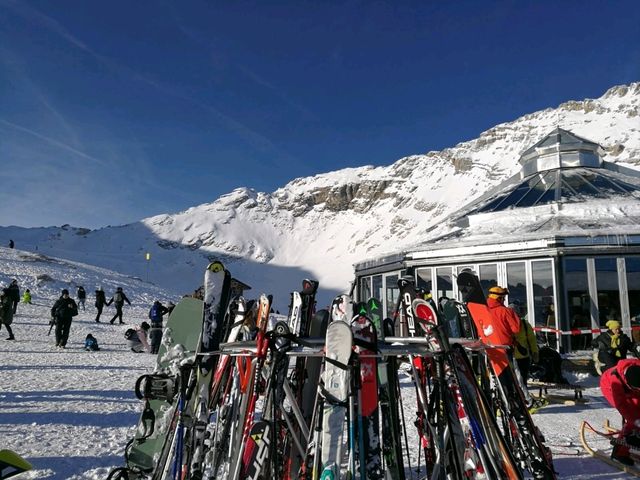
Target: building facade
(563, 235)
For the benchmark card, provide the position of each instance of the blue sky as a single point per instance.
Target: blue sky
(114, 111)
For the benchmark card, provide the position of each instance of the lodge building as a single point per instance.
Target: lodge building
(563, 235)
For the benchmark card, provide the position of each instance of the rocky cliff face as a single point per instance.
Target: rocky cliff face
(323, 224)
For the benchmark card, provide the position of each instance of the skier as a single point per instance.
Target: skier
(156, 313)
(11, 244)
(525, 350)
(620, 385)
(101, 301)
(63, 311)
(612, 345)
(82, 296)
(91, 344)
(118, 300)
(502, 330)
(137, 338)
(15, 294)
(6, 312)
(26, 297)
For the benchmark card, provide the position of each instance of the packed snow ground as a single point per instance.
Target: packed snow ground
(71, 412)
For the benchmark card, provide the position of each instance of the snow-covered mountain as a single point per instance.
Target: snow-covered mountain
(319, 226)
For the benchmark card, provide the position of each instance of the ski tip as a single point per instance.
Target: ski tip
(14, 460)
(215, 266)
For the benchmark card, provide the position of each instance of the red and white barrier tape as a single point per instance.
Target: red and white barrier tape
(575, 331)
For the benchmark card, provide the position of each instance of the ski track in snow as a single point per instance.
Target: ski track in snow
(71, 412)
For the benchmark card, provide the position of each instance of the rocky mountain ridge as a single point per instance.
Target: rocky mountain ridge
(319, 226)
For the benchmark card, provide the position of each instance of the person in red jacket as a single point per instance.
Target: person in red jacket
(620, 385)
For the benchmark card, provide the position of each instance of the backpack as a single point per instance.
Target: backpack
(130, 334)
(154, 313)
(118, 298)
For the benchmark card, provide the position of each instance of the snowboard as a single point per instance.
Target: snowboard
(179, 343)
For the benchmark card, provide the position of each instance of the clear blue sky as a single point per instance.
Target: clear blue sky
(114, 111)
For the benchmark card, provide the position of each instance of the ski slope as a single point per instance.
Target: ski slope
(71, 412)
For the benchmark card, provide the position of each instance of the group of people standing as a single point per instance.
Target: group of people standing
(65, 308)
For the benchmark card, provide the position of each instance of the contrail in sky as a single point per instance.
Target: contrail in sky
(52, 141)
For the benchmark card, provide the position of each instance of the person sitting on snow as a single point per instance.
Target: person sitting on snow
(91, 344)
(137, 338)
(620, 385)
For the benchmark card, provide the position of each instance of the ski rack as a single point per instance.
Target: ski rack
(390, 347)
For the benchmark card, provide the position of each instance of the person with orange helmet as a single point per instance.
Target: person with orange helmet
(620, 385)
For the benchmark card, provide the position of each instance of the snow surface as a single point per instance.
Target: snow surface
(71, 412)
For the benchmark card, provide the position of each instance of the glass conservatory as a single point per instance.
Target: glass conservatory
(563, 235)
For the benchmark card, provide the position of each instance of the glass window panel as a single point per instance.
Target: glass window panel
(603, 184)
(365, 289)
(424, 280)
(517, 286)
(608, 290)
(543, 299)
(516, 195)
(543, 295)
(492, 204)
(579, 183)
(392, 294)
(488, 276)
(577, 283)
(535, 195)
(376, 287)
(444, 283)
(632, 266)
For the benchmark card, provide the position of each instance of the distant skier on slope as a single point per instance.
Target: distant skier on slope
(26, 297)
(6, 312)
(82, 297)
(118, 300)
(620, 385)
(101, 301)
(63, 311)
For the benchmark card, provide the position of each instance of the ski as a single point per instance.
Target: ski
(12, 464)
(365, 341)
(217, 285)
(387, 384)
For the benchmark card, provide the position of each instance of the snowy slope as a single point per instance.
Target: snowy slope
(71, 412)
(320, 226)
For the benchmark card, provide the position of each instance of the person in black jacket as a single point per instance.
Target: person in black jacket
(63, 312)
(613, 345)
(6, 312)
(101, 301)
(82, 296)
(14, 291)
(118, 300)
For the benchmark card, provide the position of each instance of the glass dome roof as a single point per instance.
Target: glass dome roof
(562, 185)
